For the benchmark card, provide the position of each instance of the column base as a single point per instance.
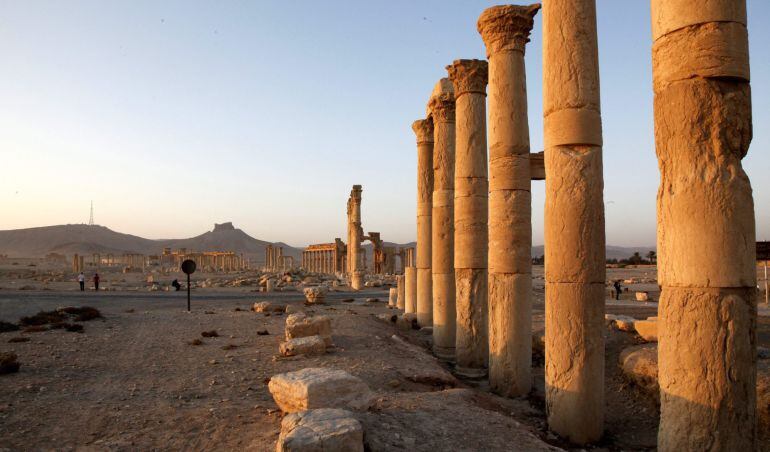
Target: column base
(446, 354)
(357, 281)
(471, 372)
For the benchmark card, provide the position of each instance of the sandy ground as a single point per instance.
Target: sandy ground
(132, 381)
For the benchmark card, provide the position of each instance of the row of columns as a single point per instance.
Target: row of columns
(321, 261)
(705, 219)
(274, 258)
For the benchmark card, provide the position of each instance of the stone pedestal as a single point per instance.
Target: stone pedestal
(469, 78)
(574, 222)
(707, 313)
(442, 108)
(423, 128)
(401, 286)
(505, 30)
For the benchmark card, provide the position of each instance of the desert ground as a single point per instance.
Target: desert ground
(133, 380)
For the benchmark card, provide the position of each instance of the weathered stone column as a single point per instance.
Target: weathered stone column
(706, 237)
(423, 128)
(401, 285)
(442, 108)
(505, 30)
(574, 222)
(410, 290)
(355, 235)
(469, 78)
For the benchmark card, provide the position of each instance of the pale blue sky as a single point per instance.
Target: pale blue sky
(173, 115)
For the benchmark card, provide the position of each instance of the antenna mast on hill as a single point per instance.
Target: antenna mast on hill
(91, 218)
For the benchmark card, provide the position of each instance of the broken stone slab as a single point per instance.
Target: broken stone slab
(324, 429)
(300, 325)
(647, 329)
(407, 321)
(266, 306)
(621, 322)
(309, 346)
(315, 295)
(640, 365)
(317, 387)
(642, 296)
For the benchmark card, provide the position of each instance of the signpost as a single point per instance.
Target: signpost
(763, 254)
(188, 266)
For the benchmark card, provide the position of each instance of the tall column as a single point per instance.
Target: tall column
(505, 30)
(469, 78)
(355, 235)
(706, 236)
(401, 285)
(410, 290)
(442, 108)
(574, 221)
(423, 128)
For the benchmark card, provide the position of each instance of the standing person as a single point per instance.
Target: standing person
(617, 289)
(82, 281)
(96, 281)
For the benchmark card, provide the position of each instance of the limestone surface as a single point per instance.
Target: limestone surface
(320, 430)
(301, 325)
(309, 345)
(647, 329)
(315, 295)
(317, 387)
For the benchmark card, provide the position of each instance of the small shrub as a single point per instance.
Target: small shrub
(82, 314)
(43, 318)
(229, 347)
(195, 342)
(212, 333)
(262, 333)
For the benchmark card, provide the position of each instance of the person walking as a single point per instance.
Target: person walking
(82, 281)
(617, 289)
(96, 281)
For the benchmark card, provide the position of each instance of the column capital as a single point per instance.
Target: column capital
(441, 105)
(423, 128)
(506, 27)
(468, 76)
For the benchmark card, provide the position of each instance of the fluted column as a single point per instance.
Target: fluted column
(423, 128)
(355, 235)
(469, 78)
(706, 237)
(505, 30)
(442, 108)
(574, 222)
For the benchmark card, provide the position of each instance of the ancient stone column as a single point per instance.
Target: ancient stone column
(469, 78)
(505, 30)
(392, 297)
(355, 235)
(410, 290)
(442, 108)
(401, 285)
(706, 237)
(574, 222)
(423, 128)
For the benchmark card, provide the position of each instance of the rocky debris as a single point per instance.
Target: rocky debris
(291, 309)
(310, 345)
(647, 329)
(317, 387)
(642, 296)
(266, 306)
(300, 325)
(8, 363)
(373, 283)
(640, 365)
(372, 300)
(620, 322)
(315, 295)
(212, 333)
(324, 429)
(390, 318)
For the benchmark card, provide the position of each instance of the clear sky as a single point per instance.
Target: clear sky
(174, 115)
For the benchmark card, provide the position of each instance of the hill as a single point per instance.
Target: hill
(84, 239)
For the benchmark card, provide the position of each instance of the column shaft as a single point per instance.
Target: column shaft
(706, 236)
(471, 197)
(442, 107)
(505, 30)
(574, 222)
(424, 130)
(410, 291)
